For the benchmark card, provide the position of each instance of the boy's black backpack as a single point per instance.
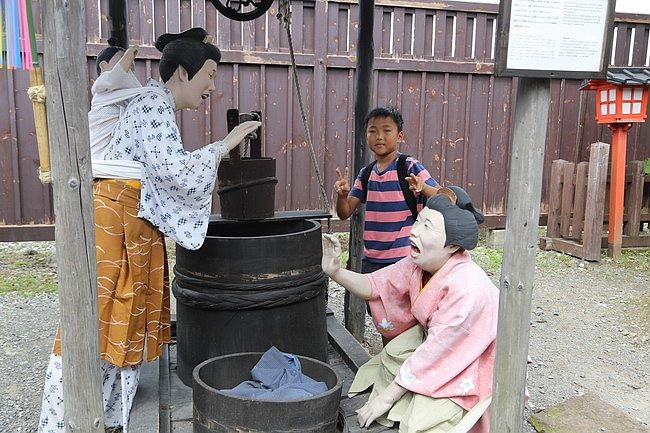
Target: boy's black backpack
(409, 197)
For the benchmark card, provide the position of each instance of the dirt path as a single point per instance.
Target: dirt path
(590, 330)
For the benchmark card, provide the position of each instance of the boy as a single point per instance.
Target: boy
(389, 217)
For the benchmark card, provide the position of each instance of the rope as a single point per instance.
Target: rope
(214, 295)
(36, 93)
(284, 15)
(247, 184)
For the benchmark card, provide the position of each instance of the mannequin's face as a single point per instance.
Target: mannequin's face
(428, 239)
(201, 85)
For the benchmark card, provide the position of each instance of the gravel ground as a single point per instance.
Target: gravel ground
(590, 332)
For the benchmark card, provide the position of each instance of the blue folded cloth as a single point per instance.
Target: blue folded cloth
(278, 376)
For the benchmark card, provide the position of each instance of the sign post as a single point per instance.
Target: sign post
(537, 40)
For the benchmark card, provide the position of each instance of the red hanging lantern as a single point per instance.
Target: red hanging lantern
(622, 97)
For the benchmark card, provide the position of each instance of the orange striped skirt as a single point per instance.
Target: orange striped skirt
(132, 278)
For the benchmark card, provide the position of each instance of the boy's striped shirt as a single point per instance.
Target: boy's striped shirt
(388, 219)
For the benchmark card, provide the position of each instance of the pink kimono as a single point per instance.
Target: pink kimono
(458, 308)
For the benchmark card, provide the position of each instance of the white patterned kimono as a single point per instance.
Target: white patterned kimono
(176, 192)
(458, 309)
(111, 94)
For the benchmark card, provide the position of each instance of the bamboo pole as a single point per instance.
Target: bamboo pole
(37, 95)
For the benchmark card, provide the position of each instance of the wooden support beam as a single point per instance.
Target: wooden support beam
(67, 118)
(576, 249)
(355, 308)
(562, 245)
(518, 269)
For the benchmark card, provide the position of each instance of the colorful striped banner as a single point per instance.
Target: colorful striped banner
(17, 35)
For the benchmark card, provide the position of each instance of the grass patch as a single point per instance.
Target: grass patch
(635, 259)
(28, 268)
(27, 284)
(489, 259)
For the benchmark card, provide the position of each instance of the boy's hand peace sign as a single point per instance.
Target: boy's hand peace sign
(342, 184)
(416, 183)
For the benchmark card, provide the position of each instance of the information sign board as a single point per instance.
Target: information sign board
(554, 38)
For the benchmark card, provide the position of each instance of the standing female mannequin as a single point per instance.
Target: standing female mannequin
(172, 197)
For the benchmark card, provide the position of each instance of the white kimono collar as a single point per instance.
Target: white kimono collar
(168, 93)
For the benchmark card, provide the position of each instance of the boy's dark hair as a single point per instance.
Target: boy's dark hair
(389, 111)
(189, 49)
(107, 53)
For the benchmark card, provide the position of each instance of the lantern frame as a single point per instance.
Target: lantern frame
(621, 103)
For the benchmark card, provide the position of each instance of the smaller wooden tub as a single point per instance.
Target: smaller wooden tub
(216, 412)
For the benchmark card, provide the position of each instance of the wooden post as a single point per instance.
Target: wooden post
(580, 200)
(617, 188)
(232, 120)
(554, 201)
(355, 308)
(568, 189)
(634, 199)
(595, 201)
(65, 67)
(518, 269)
(117, 13)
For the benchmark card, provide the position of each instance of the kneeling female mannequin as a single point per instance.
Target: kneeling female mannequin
(440, 311)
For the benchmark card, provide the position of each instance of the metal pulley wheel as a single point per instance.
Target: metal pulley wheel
(242, 10)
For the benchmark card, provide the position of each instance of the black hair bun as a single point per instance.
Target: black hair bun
(196, 33)
(464, 202)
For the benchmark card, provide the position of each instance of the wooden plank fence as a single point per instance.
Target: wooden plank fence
(434, 61)
(577, 205)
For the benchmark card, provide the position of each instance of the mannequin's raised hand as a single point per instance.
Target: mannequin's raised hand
(331, 261)
(238, 133)
(127, 60)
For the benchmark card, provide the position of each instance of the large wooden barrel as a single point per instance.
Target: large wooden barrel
(252, 285)
(217, 412)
